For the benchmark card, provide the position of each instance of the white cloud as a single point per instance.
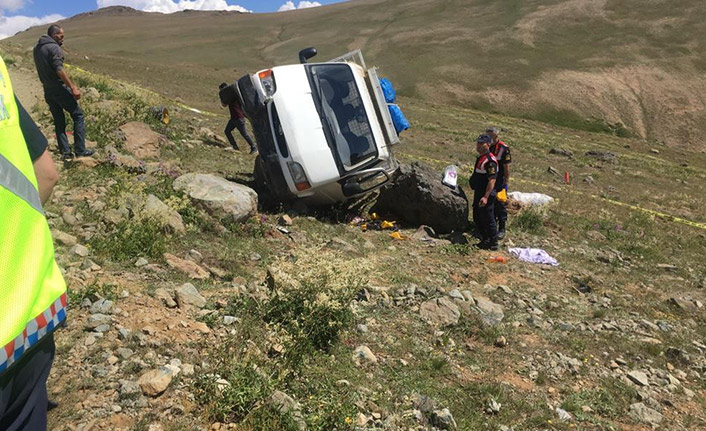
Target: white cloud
(11, 5)
(171, 6)
(302, 5)
(9, 25)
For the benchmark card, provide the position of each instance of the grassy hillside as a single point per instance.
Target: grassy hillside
(614, 336)
(626, 67)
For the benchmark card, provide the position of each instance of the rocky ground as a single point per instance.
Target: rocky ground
(193, 309)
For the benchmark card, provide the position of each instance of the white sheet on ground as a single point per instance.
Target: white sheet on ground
(533, 255)
(530, 198)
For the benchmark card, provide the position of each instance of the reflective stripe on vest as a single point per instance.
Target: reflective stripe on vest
(32, 289)
(13, 180)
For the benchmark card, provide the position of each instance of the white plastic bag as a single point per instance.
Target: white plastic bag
(450, 176)
(530, 198)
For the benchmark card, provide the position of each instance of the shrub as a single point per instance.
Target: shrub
(530, 220)
(131, 239)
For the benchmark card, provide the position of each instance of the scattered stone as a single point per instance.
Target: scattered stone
(418, 197)
(124, 353)
(154, 382)
(97, 320)
(604, 156)
(124, 334)
(123, 161)
(128, 388)
(102, 306)
(490, 312)
(456, 294)
(441, 311)
(221, 197)
(140, 262)
(639, 378)
(564, 416)
(562, 152)
(683, 304)
(187, 267)
(141, 141)
(194, 256)
(363, 329)
(186, 294)
(286, 405)
(63, 238)
(644, 414)
(166, 296)
(87, 162)
(229, 320)
(501, 341)
(285, 220)
(443, 419)
(80, 250)
(493, 407)
(364, 354)
(155, 209)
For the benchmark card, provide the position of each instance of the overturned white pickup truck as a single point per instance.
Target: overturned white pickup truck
(323, 130)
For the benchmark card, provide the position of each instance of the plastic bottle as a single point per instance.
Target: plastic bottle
(497, 259)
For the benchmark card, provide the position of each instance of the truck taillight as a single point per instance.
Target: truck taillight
(301, 182)
(267, 78)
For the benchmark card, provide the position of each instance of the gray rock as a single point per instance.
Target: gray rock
(604, 156)
(562, 152)
(63, 238)
(124, 334)
(80, 250)
(639, 378)
(128, 388)
(140, 262)
(456, 294)
(96, 320)
(417, 197)
(124, 353)
(194, 256)
(364, 354)
(490, 312)
(286, 405)
(186, 294)
(443, 419)
(166, 296)
(363, 329)
(102, 306)
(229, 320)
(644, 414)
(220, 196)
(123, 161)
(155, 209)
(441, 311)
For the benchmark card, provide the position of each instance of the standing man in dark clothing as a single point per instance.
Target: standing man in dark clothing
(59, 92)
(501, 151)
(483, 184)
(237, 121)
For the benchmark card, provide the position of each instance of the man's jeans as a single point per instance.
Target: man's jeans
(60, 100)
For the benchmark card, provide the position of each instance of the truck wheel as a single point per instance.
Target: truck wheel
(260, 182)
(251, 101)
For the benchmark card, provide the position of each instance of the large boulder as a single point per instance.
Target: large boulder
(141, 141)
(418, 197)
(160, 212)
(221, 197)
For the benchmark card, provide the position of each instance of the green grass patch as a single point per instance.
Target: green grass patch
(131, 239)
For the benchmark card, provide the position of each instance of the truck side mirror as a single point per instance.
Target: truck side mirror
(306, 54)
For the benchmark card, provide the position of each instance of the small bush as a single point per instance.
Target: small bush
(93, 291)
(130, 239)
(530, 220)
(234, 401)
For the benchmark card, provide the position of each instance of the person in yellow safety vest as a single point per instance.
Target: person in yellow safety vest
(32, 289)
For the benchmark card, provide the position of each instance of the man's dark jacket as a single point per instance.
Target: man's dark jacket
(49, 59)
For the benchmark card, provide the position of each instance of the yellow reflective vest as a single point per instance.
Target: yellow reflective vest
(32, 289)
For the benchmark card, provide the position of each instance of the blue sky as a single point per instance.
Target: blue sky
(18, 15)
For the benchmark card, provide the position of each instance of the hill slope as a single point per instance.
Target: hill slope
(626, 67)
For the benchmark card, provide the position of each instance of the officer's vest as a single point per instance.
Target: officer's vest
(32, 289)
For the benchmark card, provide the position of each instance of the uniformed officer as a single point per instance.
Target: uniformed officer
(501, 151)
(483, 184)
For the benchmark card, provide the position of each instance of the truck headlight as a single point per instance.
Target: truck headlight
(267, 79)
(301, 182)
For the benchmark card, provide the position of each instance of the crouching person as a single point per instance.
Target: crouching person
(482, 182)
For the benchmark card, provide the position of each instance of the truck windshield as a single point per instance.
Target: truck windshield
(342, 111)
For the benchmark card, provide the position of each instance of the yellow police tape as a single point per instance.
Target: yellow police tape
(153, 93)
(577, 192)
